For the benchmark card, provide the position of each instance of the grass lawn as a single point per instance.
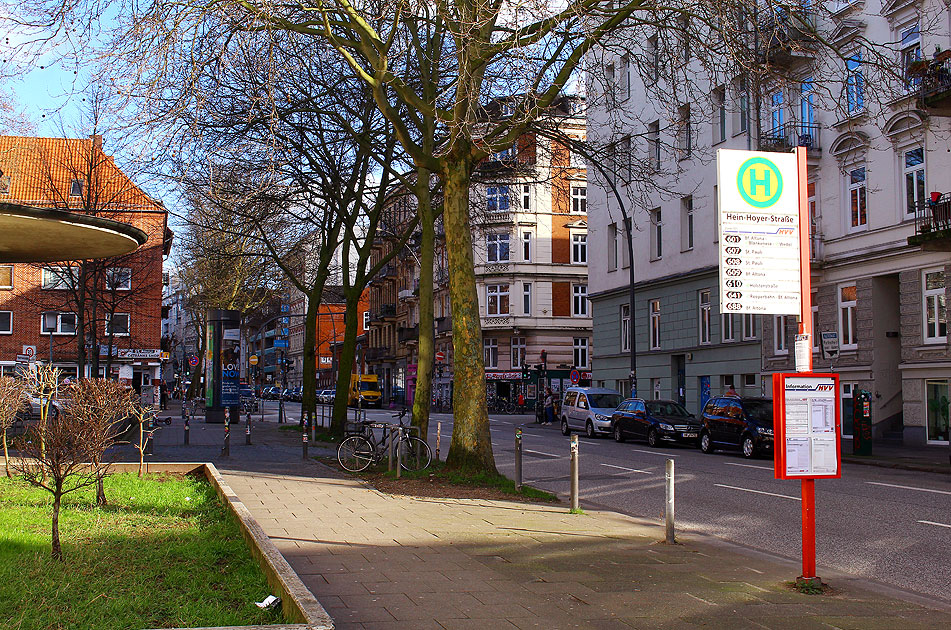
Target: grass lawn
(164, 553)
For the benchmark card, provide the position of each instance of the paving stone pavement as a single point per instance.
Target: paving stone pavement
(378, 561)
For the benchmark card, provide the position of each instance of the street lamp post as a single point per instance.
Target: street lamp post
(49, 327)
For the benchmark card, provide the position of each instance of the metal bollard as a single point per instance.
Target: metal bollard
(518, 458)
(150, 434)
(438, 436)
(247, 431)
(574, 473)
(187, 430)
(226, 449)
(399, 452)
(304, 443)
(263, 404)
(669, 514)
(389, 453)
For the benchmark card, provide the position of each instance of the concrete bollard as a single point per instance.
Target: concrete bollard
(438, 436)
(518, 458)
(574, 473)
(669, 513)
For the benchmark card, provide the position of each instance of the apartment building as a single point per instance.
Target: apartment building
(108, 313)
(530, 242)
(877, 168)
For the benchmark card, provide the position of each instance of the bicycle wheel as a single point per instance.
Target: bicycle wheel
(415, 453)
(355, 453)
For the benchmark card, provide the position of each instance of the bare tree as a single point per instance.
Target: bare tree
(143, 418)
(12, 401)
(99, 405)
(55, 457)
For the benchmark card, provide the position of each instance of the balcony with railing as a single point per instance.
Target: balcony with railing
(787, 36)
(933, 223)
(790, 135)
(443, 325)
(376, 353)
(387, 311)
(934, 83)
(408, 335)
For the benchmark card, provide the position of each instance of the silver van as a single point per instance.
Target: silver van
(589, 409)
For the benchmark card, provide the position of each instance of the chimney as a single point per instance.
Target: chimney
(97, 141)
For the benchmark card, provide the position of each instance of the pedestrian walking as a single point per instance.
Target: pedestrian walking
(163, 395)
(521, 403)
(549, 406)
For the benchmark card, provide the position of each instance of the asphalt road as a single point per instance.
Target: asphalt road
(889, 525)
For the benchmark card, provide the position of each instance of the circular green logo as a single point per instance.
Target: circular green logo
(759, 182)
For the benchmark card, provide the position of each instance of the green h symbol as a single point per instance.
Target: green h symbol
(756, 182)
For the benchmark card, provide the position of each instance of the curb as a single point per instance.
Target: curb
(897, 465)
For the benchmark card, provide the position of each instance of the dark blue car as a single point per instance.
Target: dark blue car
(655, 421)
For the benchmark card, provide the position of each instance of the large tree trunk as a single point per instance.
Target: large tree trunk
(309, 371)
(57, 497)
(348, 352)
(424, 367)
(471, 445)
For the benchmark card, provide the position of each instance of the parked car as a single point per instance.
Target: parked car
(325, 396)
(737, 422)
(271, 393)
(656, 421)
(588, 409)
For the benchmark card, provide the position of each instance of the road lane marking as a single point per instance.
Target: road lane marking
(637, 450)
(540, 453)
(772, 494)
(749, 466)
(643, 472)
(937, 524)
(893, 485)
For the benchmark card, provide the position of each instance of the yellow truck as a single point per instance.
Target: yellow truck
(366, 389)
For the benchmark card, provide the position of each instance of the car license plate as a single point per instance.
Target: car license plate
(690, 435)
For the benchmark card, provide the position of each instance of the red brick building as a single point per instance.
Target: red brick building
(113, 304)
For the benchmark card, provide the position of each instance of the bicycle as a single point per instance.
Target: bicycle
(358, 452)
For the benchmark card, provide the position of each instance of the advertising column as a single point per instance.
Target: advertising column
(222, 365)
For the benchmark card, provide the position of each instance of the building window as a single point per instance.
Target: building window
(527, 298)
(910, 53)
(76, 188)
(914, 171)
(612, 247)
(703, 315)
(518, 352)
(581, 352)
(657, 234)
(780, 345)
(117, 324)
(727, 327)
(938, 393)
(497, 199)
(858, 214)
(119, 278)
(686, 223)
(579, 305)
(610, 78)
(655, 324)
(742, 122)
(719, 115)
(60, 277)
(854, 84)
(749, 380)
(814, 333)
(497, 247)
(490, 352)
(653, 58)
(807, 109)
(579, 199)
(776, 115)
(6, 322)
(579, 249)
(526, 197)
(653, 144)
(848, 297)
(625, 78)
(527, 246)
(685, 132)
(625, 328)
(749, 326)
(6, 276)
(935, 310)
(497, 299)
(65, 324)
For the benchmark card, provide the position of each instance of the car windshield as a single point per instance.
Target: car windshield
(605, 401)
(671, 409)
(369, 386)
(760, 411)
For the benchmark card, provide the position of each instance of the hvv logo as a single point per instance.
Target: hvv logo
(759, 182)
(825, 388)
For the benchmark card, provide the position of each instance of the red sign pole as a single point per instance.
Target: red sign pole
(805, 327)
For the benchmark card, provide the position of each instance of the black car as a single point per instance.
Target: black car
(656, 421)
(737, 422)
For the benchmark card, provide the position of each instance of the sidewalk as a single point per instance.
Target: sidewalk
(378, 561)
(920, 458)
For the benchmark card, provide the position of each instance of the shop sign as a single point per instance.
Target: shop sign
(503, 376)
